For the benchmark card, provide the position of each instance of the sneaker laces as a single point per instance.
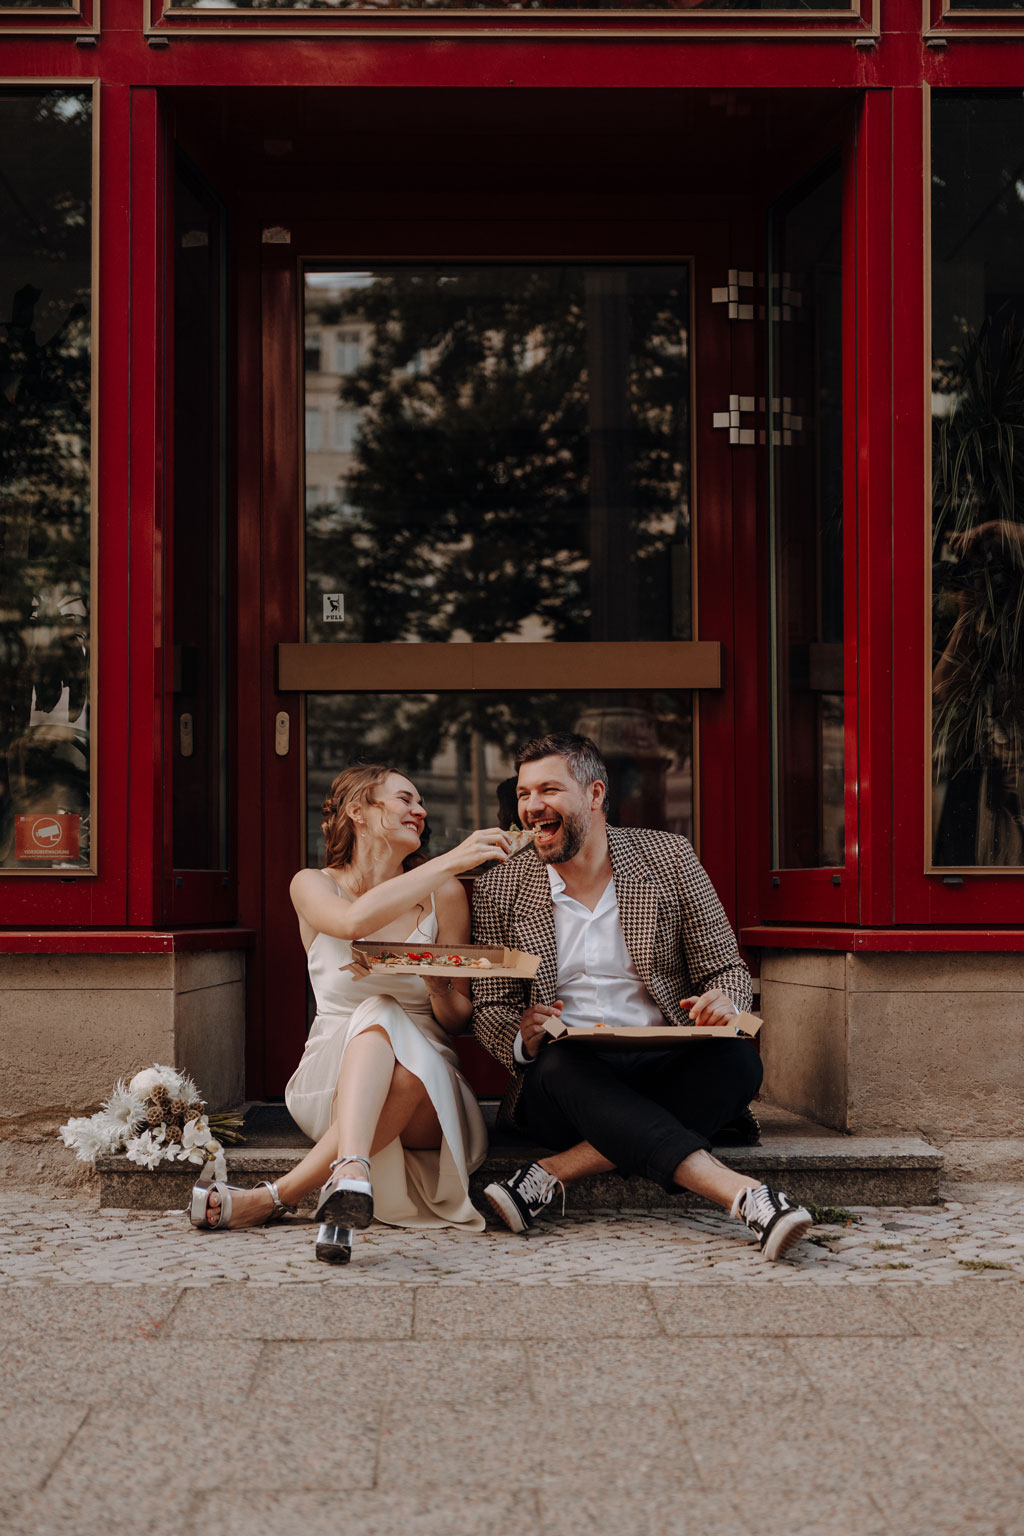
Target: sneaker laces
(754, 1204)
(537, 1186)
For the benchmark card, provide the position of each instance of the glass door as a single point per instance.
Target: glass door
(495, 465)
(497, 455)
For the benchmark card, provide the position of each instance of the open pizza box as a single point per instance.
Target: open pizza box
(448, 960)
(656, 1037)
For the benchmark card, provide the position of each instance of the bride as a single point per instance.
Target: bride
(397, 1128)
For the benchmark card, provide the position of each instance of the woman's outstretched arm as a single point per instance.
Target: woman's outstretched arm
(318, 904)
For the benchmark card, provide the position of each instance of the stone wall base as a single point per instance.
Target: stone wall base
(925, 1044)
(71, 1025)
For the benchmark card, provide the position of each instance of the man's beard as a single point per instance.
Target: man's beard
(574, 834)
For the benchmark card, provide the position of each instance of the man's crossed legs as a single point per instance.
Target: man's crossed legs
(652, 1113)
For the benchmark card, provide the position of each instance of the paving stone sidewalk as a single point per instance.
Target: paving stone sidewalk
(977, 1234)
(612, 1375)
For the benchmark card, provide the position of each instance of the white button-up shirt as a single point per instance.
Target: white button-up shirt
(596, 980)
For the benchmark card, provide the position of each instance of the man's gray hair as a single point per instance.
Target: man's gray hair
(581, 756)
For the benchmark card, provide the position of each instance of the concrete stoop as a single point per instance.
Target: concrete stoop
(809, 1161)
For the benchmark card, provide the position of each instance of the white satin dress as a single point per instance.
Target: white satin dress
(428, 1188)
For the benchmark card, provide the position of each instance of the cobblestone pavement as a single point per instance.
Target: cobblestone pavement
(627, 1374)
(975, 1237)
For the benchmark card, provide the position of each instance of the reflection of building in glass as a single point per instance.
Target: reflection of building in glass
(499, 453)
(45, 478)
(332, 353)
(978, 485)
(646, 741)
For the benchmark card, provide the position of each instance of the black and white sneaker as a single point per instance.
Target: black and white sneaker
(522, 1196)
(772, 1217)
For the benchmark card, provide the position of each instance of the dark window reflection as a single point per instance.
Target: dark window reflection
(45, 478)
(510, 5)
(199, 608)
(498, 453)
(458, 748)
(805, 448)
(978, 479)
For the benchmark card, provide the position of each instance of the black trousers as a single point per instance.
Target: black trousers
(645, 1111)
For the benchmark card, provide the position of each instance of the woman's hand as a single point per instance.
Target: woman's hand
(478, 848)
(438, 986)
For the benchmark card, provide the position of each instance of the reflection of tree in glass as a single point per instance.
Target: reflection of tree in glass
(522, 5)
(45, 256)
(473, 509)
(521, 471)
(439, 740)
(978, 597)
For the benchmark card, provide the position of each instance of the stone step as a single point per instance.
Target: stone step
(811, 1162)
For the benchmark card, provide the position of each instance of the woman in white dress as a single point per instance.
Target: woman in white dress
(397, 1128)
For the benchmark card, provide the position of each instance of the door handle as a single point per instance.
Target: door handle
(186, 740)
(282, 733)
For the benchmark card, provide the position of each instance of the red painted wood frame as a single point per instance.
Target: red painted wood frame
(892, 549)
(99, 898)
(186, 896)
(484, 241)
(921, 894)
(825, 895)
(631, 19)
(79, 19)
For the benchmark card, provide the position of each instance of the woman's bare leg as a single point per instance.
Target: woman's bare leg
(405, 1112)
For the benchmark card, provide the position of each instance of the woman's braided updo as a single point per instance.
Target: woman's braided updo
(354, 787)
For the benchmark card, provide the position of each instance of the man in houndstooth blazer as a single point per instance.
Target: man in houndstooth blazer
(625, 920)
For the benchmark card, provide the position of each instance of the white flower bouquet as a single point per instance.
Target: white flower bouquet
(157, 1117)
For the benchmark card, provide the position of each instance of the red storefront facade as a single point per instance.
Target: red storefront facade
(728, 222)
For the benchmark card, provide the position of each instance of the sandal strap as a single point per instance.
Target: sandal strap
(279, 1204)
(338, 1161)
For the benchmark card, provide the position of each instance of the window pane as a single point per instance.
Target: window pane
(200, 608)
(458, 748)
(977, 479)
(45, 478)
(515, 448)
(508, 5)
(805, 452)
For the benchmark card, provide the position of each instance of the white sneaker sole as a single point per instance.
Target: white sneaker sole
(504, 1206)
(787, 1231)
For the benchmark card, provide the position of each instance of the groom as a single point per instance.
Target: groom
(629, 931)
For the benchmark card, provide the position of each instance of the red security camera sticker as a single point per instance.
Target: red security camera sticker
(45, 836)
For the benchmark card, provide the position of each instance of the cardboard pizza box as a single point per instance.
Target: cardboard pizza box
(501, 961)
(656, 1037)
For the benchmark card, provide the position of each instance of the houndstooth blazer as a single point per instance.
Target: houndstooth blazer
(675, 929)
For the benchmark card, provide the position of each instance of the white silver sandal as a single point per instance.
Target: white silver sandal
(199, 1204)
(346, 1202)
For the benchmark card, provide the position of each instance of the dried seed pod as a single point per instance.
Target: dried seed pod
(173, 1133)
(154, 1115)
(160, 1095)
(178, 1110)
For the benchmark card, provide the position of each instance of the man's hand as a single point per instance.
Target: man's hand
(713, 1007)
(531, 1026)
